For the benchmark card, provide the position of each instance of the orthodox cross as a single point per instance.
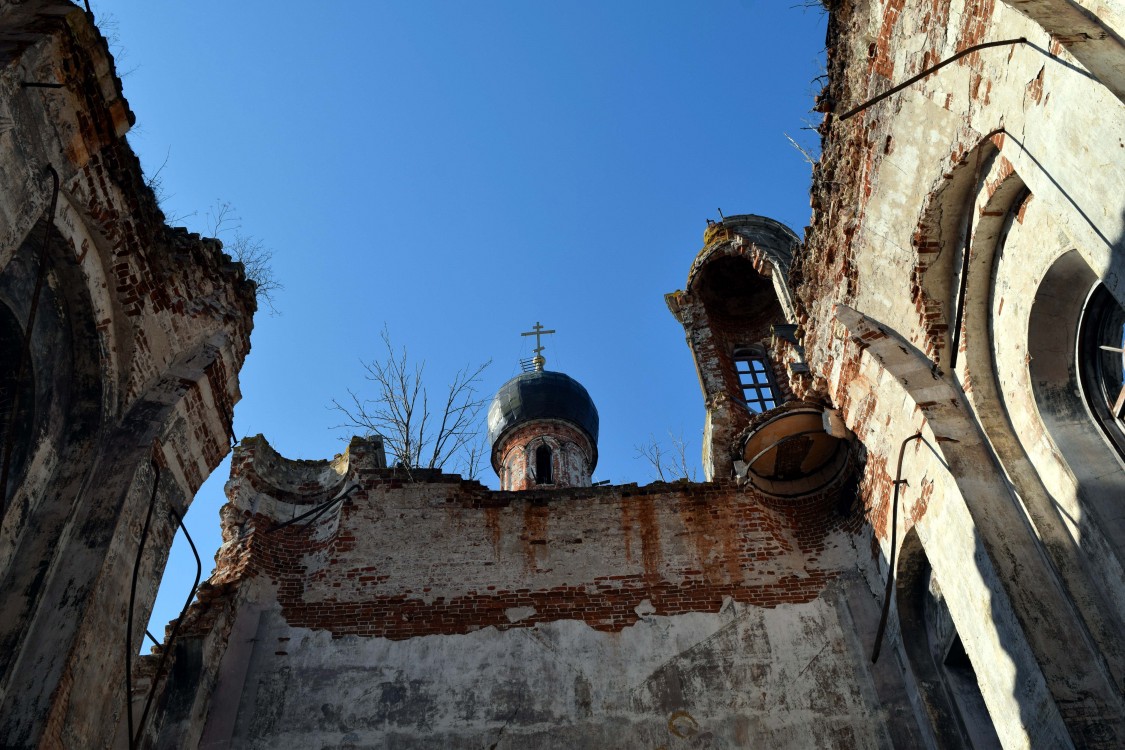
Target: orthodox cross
(538, 332)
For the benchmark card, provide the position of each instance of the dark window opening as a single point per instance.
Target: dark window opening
(755, 377)
(543, 465)
(1103, 369)
(961, 681)
(956, 658)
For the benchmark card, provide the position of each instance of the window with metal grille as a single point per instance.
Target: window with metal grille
(1101, 363)
(756, 379)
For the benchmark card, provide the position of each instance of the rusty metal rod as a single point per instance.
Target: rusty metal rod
(775, 443)
(25, 350)
(175, 630)
(894, 541)
(316, 511)
(932, 69)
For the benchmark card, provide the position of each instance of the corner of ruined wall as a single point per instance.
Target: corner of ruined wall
(169, 319)
(175, 686)
(169, 307)
(262, 481)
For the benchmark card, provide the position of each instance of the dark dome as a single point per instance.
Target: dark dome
(542, 395)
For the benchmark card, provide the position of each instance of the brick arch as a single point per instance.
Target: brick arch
(938, 240)
(64, 365)
(767, 245)
(1016, 365)
(736, 292)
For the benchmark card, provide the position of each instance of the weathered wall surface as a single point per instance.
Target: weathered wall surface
(957, 228)
(135, 345)
(590, 553)
(416, 614)
(746, 676)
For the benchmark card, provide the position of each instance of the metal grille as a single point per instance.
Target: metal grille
(1101, 363)
(756, 380)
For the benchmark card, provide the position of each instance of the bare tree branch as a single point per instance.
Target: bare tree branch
(654, 454)
(155, 181)
(668, 463)
(253, 253)
(680, 464)
(804, 153)
(399, 411)
(472, 458)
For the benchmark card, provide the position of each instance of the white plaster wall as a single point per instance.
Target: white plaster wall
(1072, 154)
(743, 677)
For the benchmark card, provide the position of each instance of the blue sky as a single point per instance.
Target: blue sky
(457, 171)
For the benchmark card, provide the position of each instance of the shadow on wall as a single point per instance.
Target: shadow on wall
(65, 385)
(947, 686)
(1048, 478)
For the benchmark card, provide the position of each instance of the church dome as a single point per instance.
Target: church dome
(537, 395)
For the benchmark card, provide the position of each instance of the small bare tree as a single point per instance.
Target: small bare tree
(416, 435)
(669, 463)
(472, 458)
(252, 252)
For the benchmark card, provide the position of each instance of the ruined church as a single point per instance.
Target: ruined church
(911, 531)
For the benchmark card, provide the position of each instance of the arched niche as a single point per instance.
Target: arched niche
(1020, 304)
(949, 698)
(1101, 363)
(1065, 330)
(57, 446)
(739, 306)
(939, 241)
(544, 471)
(1016, 304)
(735, 295)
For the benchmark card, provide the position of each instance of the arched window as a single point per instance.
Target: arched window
(1100, 361)
(755, 376)
(543, 465)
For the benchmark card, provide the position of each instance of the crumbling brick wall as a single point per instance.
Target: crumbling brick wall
(135, 351)
(682, 573)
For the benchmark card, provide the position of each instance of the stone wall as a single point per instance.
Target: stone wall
(137, 335)
(434, 611)
(958, 226)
